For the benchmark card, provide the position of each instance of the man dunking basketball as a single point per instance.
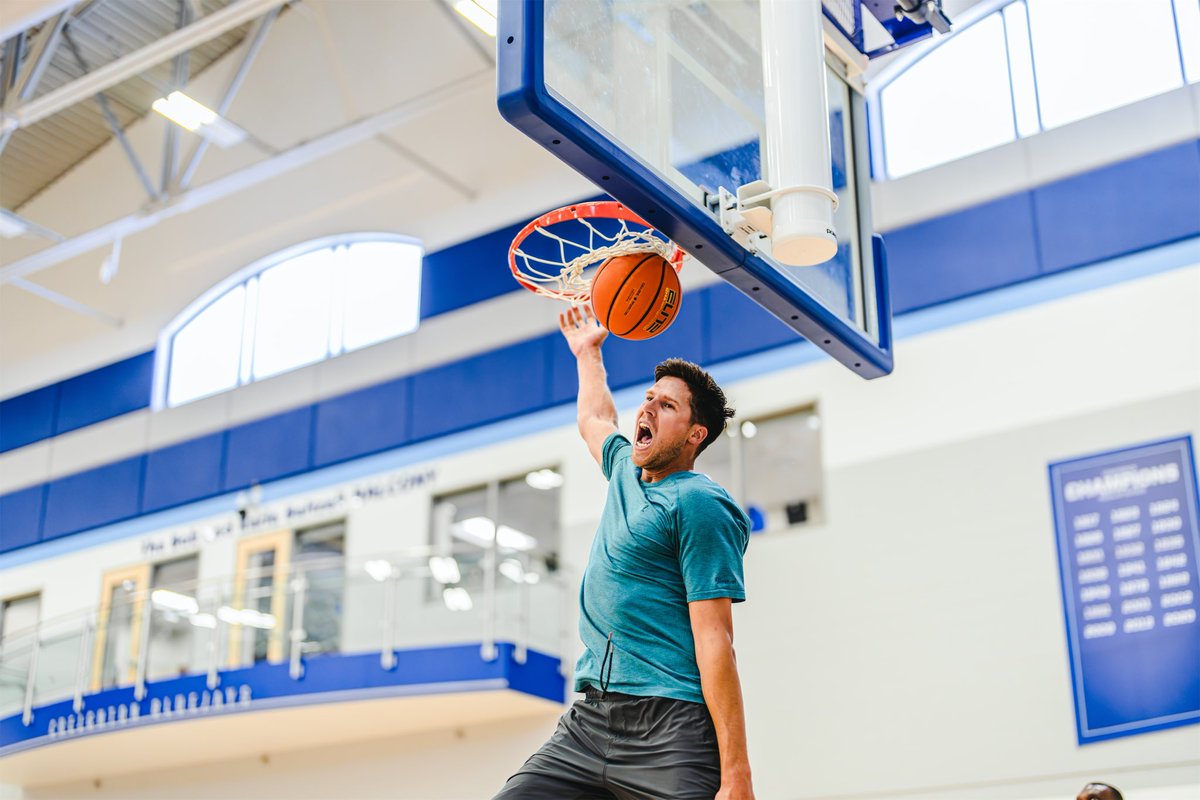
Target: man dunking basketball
(662, 713)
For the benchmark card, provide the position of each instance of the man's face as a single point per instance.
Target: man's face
(664, 425)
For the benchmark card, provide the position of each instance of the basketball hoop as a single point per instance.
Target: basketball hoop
(550, 254)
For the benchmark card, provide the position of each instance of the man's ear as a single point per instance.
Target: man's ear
(698, 434)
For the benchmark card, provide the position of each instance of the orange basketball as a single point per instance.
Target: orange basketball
(636, 296)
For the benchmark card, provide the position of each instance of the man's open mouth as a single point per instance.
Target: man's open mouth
(644, 435)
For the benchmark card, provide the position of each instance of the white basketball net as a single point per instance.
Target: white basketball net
(563, 278)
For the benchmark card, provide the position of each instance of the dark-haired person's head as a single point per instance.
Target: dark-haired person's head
(1099, 791)
(685, 408)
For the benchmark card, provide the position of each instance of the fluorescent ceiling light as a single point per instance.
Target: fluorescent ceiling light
(480, 530)
(379, 569)
(203, 621)
(480, 13)
(544, 479)
(457, 598)
(749, 429)
(174, 601)
(197, 117)
(512, 569)
(445, 569)
(12, 226)
(246, 616)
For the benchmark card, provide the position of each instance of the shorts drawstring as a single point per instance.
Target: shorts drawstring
(608, 660)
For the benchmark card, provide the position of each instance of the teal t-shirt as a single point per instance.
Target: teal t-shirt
(659, 546)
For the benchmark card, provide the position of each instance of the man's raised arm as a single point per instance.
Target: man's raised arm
(597, 412)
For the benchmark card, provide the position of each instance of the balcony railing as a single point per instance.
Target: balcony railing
(387, 604)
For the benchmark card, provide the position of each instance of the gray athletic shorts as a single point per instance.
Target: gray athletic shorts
(610, 745)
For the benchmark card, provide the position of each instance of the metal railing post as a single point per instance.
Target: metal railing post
(521, 651)
(213, 679)
(81, 663)
(487, 650)
(387, 653)
(139, 688)
(296, 635)
(31, 680)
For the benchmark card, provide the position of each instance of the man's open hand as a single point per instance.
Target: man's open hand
(581, 329)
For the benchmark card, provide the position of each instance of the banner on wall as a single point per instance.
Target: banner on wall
(1127, 528)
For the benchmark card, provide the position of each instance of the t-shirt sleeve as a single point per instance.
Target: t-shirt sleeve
(713, 533)
(615, 448)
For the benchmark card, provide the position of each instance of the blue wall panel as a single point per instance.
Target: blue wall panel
(736, 326)
(93, 498)
(21, 517)
(362, 422)
(969, 251)
(485, 388)
(1119, 209)
(28, 417)
(106, 392)
(184, 472)
(268, 448)
(467, 273)
(632, 363)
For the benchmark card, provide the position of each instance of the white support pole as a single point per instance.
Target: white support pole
(797, 132)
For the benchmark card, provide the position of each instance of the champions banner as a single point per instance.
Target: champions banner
(1126, 523)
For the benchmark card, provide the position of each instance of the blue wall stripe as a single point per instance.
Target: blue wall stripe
(105, 393)
(183, 472)
(966, 253)
(28, 418)
(267, 449)
(93, 498)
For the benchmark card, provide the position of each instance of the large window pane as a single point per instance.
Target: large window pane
(383, 292)
(1100, 55)
(952, 103)
(204, 353)
(292, 328)
(175, 645)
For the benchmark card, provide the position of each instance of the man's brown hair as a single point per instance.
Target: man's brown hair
(709, 406)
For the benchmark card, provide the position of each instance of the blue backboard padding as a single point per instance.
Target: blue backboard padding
(735, 326)
(1121, 208)
(21, 517)
(183, 472)
(467, 273)
(28, 417)
(268, 448)
(96, 497)
(484, 388)
(969, 251)
(104, 393)
(362, 422)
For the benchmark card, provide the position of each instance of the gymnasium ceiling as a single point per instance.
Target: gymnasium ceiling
(356, 113)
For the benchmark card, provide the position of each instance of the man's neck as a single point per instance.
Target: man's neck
(656, 475)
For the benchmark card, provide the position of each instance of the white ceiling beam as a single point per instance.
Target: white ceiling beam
(21, 15)
(182, 40)
(298, 156)
(69, 303)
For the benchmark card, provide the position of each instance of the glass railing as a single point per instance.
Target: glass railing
(386, 604)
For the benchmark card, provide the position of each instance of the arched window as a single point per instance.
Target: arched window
(291, 309)
(1014, 68)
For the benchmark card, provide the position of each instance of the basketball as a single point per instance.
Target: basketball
(636, 296)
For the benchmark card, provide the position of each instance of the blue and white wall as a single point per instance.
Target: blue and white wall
(911, 644)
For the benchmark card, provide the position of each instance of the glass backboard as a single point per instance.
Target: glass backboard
(661, 104)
